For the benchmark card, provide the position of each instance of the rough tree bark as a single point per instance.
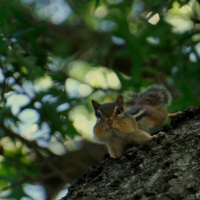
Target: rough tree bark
(166, 169)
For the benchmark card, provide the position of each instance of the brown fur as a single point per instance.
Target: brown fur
(124, 129)
(116, 128)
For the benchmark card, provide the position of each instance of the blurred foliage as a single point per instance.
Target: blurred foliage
(55, 56)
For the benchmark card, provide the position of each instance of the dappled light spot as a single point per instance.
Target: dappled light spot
(97, 79)
(2, 77)
(34, 127)
(83, 121)
(118, 40)
(8, 144)
(63, 192)
(100, 12)
(85, 90)
(16, 102)
(54, 11)
(193, 57)
(72, 86)
(113, 81)
(154, 19)
(56, 146)
(37, 105)
(63, 107)
(46, 98)
(29, 115)
(180, 16)
(10, 81)
(77, 69)
(107, 25)
(43, 83)
(84, 126)
(197, 48)
(153, 40)
(35, 191)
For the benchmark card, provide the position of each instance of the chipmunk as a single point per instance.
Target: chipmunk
(117, 128)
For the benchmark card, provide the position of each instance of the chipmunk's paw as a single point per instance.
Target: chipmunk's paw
(171, 115)
(161, 133)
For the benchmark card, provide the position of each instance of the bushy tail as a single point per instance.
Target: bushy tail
(131, 101)
(156, 96)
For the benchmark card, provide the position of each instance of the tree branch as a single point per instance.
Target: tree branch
(33, 145)
(36, 148)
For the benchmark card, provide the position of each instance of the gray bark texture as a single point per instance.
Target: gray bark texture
(165, 169)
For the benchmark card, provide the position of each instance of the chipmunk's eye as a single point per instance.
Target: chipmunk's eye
(118, 111)
(98, 115)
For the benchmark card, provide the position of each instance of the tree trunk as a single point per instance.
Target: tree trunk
(166, 169)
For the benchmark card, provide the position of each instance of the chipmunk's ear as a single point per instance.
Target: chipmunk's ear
(95, 105)
(120, 102)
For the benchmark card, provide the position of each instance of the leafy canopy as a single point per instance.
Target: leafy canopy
(55, 56)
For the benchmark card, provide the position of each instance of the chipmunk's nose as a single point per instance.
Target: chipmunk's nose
(109, 122)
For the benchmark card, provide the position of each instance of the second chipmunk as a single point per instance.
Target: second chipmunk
(117, 128)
